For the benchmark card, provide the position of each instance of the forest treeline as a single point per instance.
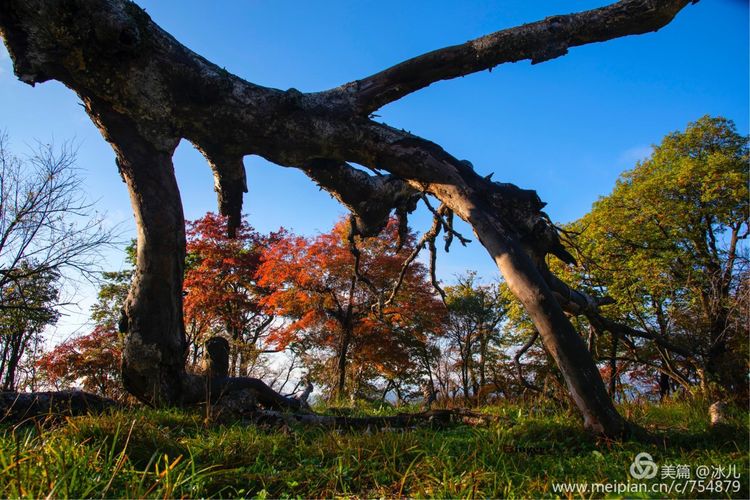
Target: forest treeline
(366, 319)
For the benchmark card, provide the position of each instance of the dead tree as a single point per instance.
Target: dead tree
(145, 92)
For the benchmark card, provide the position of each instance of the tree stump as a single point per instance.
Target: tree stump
(718, 414)
(216, 361)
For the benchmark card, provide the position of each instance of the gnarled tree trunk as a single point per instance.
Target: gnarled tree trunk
(153, 364)
(145, 91)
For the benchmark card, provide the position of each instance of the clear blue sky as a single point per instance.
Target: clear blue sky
(566, 128)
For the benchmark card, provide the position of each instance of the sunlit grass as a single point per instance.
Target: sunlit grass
(172, 453)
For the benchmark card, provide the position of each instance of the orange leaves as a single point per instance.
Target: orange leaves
(220, 288)
(311, 282)
(93, 360)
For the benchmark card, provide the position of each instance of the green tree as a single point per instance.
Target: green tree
(475, 312)
(28, 303)
(668, 246)
(113, 291)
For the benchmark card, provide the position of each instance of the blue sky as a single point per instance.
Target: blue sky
(566, 128)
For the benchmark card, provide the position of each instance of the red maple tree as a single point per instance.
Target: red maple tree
(332, 309)
(90, 361)
(221, 295)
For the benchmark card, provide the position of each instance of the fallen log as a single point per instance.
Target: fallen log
(432, 418)
(17, 407)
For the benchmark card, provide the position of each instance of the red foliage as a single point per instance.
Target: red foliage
(92, 360)
(311, 282)
(221, 295)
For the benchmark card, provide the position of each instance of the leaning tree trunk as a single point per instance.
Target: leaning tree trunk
(563, 342)
(145, 91)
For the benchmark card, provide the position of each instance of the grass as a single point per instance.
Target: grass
(173, 453)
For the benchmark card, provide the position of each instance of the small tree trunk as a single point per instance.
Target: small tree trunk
(613, 367)
(429, 395)
(16, 343)
(399, 395)
(483, 359)
(465, 379)
(387, 388)
(3, 359)
(664, 386)
(194, 354)
(591, 340)
(216, 364)
(341, 366)
(474, 385)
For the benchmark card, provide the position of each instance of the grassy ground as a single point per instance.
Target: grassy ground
(148, 453)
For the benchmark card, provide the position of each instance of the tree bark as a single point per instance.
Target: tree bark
(664, 386)
(561, 340)
(483, 341)
(15, 341)
(346, 336)
(154, 355)
(145, 91)
(22, 407)
(216, 363)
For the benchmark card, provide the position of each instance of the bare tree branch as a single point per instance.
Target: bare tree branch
(519, 367)
(370, 198)
(539, 41)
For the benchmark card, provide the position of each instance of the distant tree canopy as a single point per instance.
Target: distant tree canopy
(669, 246)
(28, 307)
(88, 361)
(92, 360)
(473, 330)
